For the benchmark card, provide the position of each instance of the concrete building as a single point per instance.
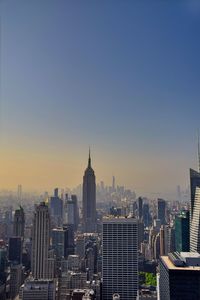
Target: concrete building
(40, 242)
(120, 258)
(38, 290)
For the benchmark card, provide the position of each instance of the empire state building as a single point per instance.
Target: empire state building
(89, 199)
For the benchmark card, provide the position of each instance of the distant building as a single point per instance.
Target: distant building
(71, 211)
(179, 276)
(19, 223)
(15, 250)
(120, 258)
(56, 208)
(140, 207)
(59, 241)
(40, 242)
(89, 199)
(146, 215)
(161, 211)
(182, 232)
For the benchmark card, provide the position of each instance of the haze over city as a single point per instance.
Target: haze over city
(121, 77)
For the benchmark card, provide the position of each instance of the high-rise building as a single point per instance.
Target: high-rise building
(69, 240)
(140, 207)
(71, 211)
(120, 258)
(40, 242)
(15, 250)
(179, 276)
(146, 215)
(56, 208)
(15, 279)
(182, 232)
(89, 199)
(195, 224)
(19, 223)
(162, 211)
(194, 183)
(58, 241)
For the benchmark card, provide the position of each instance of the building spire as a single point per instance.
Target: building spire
(89, 160)
(198, 153)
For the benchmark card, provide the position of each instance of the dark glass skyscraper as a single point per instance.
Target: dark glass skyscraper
(19, 222)
(161, 211)
(89, 199)
(182, 232)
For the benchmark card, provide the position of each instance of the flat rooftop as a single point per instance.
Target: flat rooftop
(171, 266)
(120, 219)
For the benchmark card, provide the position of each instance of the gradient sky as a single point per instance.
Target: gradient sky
(120, 76)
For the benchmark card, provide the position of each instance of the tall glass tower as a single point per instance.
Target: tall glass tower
(89, 199)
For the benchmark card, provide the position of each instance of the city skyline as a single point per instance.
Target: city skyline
(121, 78)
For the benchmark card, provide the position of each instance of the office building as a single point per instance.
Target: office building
(161, 211)
(140, 207)
(69, 240)
(120, 258)
(56, 208)
(38, 290)
(146, 215)
(179, 276)
(58, 241)
(71, 211)
(40, 242)
(195, 224)
(182, 232)
(89, 199)
(19, 223)
(15, 250)
(15, 279)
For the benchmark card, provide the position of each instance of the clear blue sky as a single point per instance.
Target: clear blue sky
(121, 76)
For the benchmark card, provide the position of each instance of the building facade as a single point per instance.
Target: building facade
(40, 242)
(120, 258)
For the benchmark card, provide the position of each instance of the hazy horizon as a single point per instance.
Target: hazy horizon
(119, 76)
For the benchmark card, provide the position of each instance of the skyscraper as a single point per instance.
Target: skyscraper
(182, 232)
(19, 223)
(15, 250)
(120, 258)
(140, 207)
(89, 199)
(194, 183)
(56, 208)
(162, 211)
(195, 224)
(40, 242)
